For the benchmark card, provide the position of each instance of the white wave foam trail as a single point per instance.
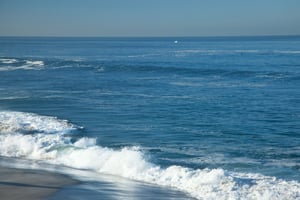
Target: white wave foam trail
(36, 63)
(49, 143)
(287, 52)
(8, 60)
(22, 64)
(32, 65)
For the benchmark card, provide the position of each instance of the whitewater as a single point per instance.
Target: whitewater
(48, 139)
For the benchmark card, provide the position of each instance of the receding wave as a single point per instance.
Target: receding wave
(49, 139)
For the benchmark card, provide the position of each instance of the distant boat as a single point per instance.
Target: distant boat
(175, 41)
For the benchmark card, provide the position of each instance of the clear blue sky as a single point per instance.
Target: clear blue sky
(149, 17)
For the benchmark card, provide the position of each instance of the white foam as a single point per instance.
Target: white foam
(287, 52)
(8, 60)
(29, 65)
(36, 63)
(144, 55)
(32, 65)
(13, 97)
(195, 51)
(188, 84)
(19, 122)
(50, 146)
(8, 68)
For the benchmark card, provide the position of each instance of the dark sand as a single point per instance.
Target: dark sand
(17, 184)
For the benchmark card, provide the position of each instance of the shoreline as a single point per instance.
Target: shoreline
(28, 184)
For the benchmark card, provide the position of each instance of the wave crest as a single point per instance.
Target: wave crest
(26, 123)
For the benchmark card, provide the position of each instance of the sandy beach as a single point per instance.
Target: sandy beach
(27, 184)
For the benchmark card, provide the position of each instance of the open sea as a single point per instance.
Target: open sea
(155, 118)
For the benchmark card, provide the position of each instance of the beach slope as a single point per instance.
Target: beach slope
(27, 184)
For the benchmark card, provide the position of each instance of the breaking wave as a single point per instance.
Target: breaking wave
(50, 140)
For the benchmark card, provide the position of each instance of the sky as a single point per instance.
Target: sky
(149, 17)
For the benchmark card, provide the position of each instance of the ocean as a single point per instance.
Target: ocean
(155, 118)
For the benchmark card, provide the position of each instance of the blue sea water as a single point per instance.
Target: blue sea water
(214, 118)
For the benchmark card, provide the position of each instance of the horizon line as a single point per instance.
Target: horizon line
(198, 36)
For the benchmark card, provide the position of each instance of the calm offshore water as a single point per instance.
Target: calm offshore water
(212, 117)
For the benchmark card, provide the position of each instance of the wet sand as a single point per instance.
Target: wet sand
(16, 184)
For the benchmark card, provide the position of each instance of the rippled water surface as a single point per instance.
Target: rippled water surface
(212, 117)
